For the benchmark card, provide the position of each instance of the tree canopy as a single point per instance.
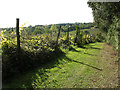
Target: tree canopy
(106, 17)
(105, 13)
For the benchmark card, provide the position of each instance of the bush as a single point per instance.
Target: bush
(112, 35)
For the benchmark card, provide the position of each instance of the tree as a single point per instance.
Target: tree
(106, 17)
(104, 13)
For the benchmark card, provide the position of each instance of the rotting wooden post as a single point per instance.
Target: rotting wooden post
(58, 37)
(77, 33)
(18, 36)
(12, 29)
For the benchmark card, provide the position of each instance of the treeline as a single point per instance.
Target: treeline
(107, 18)
(40, 29)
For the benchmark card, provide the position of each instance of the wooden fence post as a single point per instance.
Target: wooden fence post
(12, 29)
(56, 47)
(77, 34)
(18, 36)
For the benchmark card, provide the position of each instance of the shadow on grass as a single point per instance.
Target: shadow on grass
(73, 49)
(82, 47)
(37, 73)
(26, 79)
(82, 63)
(89, 47)
(95, 48)
(63, 56)
(90, 54)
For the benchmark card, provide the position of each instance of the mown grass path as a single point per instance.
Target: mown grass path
(91, 66)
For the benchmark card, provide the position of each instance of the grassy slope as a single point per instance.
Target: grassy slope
(80, 68)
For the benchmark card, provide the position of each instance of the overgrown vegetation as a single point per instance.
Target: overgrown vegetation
(39, 49)
(106, 16)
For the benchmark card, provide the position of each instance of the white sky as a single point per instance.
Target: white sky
(41, 12)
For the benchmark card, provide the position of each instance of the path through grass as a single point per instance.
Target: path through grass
(86, 67)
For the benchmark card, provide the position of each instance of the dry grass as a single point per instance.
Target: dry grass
(108, 78)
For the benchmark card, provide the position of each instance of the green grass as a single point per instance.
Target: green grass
(75, 68)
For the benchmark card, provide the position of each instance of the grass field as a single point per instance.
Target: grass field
(88, 67)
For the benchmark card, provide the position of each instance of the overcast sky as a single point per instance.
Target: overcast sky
(42, 12)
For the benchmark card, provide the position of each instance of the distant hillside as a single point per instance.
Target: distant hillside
(40, 29)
